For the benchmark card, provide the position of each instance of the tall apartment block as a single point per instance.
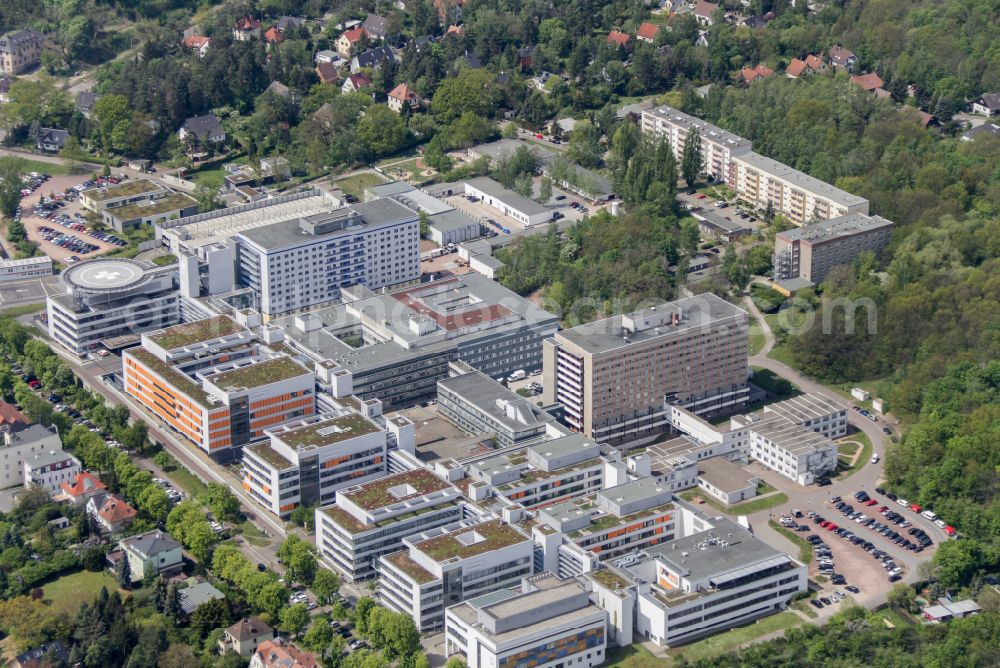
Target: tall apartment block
(445, 566)
(20, 50)
(617, 377)
(810, 252)
(763, 183)
(108, 300)
(718, 146)
(306, 461)
(372, 519)
(294, 267)
(210, 381)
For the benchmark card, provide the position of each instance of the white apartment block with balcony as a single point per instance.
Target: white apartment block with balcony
(717, 577)
(803, 199)
(49, 469)
(718, 146)
(445, 566)
(546, 623)
(305, 462)
(372, 519)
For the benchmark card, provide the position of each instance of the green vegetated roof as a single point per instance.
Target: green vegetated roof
(265, 452)
(351, 524)
(126, 189)
(376, 494)
(154, 207)
(260, 373)
(609, 579)
(329, 431)
(181, 382)
(190, 333)
(403, 562)
(495, 535)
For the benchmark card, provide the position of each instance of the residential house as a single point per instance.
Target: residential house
(273, 36)
(702, 39)
(51, 139)
(194, 595)
(206, 129)
(244, 636)
(757, 22)
(113, 513)
(275, 168)
(468, 61)
(286, 23)
(82, 488)
(154, 553)
(987, 129)
(372, 58)
(281, 90)
(5, 82)
(620, 38)
(49, 469)
(50, 654)
(270, 654)
(328, 56)
(646, 33)
(20, 441)
(246, 29)
(800, 68)
(355, 83)
(455, 29)
(20, 50)
(197, 43)
(376, 27)
(988, 104)
(525, 57)
(751, 74)
(841, 58)
(704, 12)
(327, 73)
(85, 100)
(927, 120)
(868, 82)
(348, 41)
(402, 96)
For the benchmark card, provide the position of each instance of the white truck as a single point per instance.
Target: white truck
(520, 374)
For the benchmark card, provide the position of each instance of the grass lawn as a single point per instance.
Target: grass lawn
(188, 481)
(892, 617)
(633, 656)
(740, 508)
(805, 548)
(23, 309)
(69, 591)
(847, 449)
(843, 470)
(50, 168)
(355, 185)
(764, 488)
(728, 642)
(252, 534)
(212, 178)
(757, 339)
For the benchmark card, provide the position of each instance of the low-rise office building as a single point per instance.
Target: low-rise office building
(112, 196)
(31, 267)
(108, 298)
(768, 184)
(173, 206)
(395, 346)
(480, 405)
(618, 377)
(445, 566)
(307, 461)
(718, 146)
(525, 211)
(371, 520)
(546, 623)
(810, 252)
(210, 381)
(708, 581)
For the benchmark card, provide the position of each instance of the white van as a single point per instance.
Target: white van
(520, 374)
(929, 515)
(875, 458)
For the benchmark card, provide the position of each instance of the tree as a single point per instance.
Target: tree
(210, 615)
(362, 608)
(325, 585)
(222, 502)
(691, 158)
(299, 559)
(902, 597)
(471, 91)
(207, 197)
(425, 224)
(319, 635)
(584, 144)
(109, 112)
(381, 130)
(11, 170)
(293, 619)
(545, 190)
(135, 436)
(124, 573)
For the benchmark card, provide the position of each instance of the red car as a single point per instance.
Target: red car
(538, 136)
(870, 502)
(825, 523)
(915, 507)
(34, 384)
(831, 527)
(701, 197)
(883, 509)
(950, 530)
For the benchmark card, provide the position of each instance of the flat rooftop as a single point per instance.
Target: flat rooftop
(800, 180)
(403, 562)
(170, 374)
(124, 189)
(836, 228)
(154, 207)
(265, 452)
(602, 336)
(528, 207)
(797, 440)
(723, 474)
(483, 393)
(707, 130)
(258, 374)
(394, 489)
(471, 541)
(198, 331)
(453, 219)
(804, 408)
(325, 432)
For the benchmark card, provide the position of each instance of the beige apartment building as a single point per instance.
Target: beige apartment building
(718, 146)
(617, 377)
(810, 252)
(764, 182)
(20, 50)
